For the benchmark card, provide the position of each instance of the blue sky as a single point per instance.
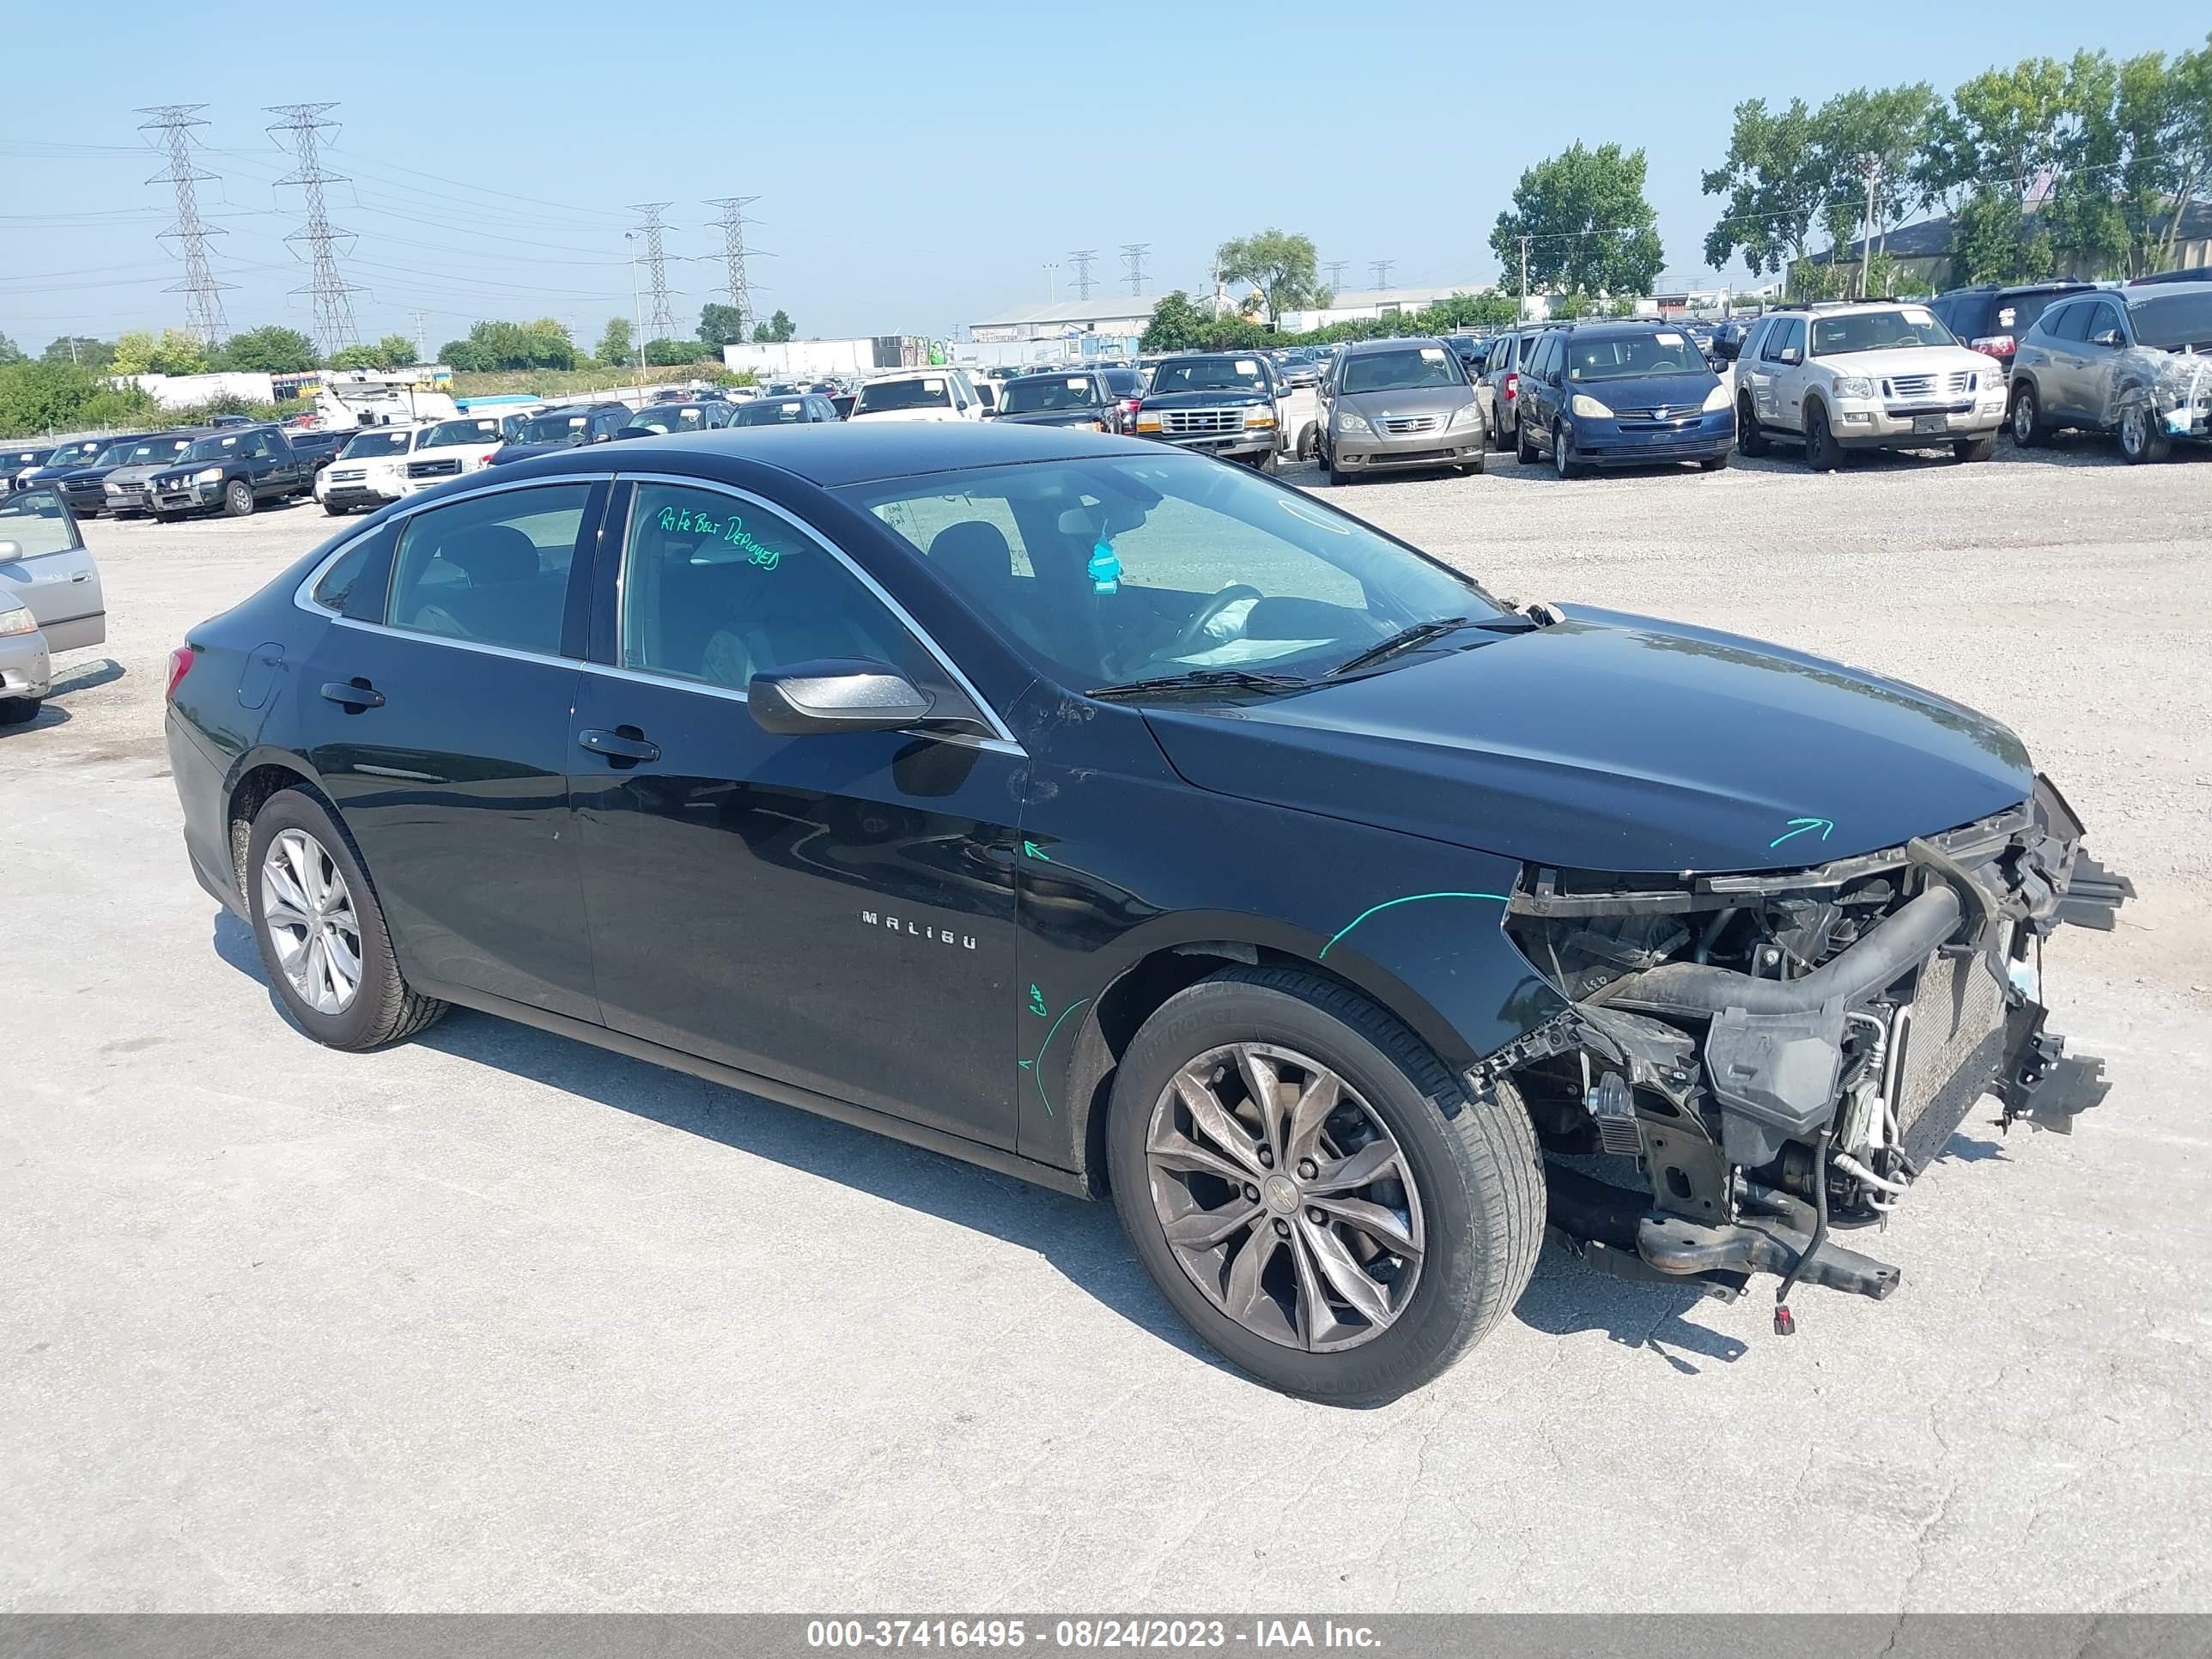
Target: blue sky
(916, 164)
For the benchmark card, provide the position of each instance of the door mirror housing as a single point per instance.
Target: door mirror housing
(10, 551)
(1790, 355)
(2110, 337)
(836, 694)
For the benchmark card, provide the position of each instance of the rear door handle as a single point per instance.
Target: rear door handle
(355, 694)
(628, 744)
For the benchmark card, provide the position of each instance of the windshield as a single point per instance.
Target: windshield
(154, 452)
(550, 429)
(118, 454)
(929, 392)
(672, 417)
(1125, 383)
(1878, 330)
(770, 412)
(213, 448)
(1629, 356)
(1043, 392)
(479, 431)
(1400, 370)
(1210, 374)
(2172, 321)
(76, 454)
(1125, 568)
(362, 446)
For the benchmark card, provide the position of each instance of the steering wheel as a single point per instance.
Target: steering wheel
(1195, 630)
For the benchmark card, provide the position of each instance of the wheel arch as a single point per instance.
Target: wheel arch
(255, 777)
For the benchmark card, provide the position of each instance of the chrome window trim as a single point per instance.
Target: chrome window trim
(1004, 733)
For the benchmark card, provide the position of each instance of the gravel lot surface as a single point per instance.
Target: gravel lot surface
(493, 1319)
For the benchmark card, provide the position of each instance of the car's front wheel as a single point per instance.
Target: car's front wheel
(18, 711)
(321, 932)
(238, 498)
(2140, 438)
(1313, 1191)
(1822, 453)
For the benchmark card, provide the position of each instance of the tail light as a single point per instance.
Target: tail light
(1512, 386)
(484, 460)
(180, 664)
(1999, 346)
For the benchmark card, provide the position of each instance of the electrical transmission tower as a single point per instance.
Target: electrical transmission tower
(1381, 270)
(732, 222)
(1132, 255)
(1336, 272)
(1081, 258)
(662, 322)
(203, 293)
(334, 323)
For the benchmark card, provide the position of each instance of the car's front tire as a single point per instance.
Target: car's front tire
(1976, 449)
(238, 502)
(1822, 453)
(1313, 1191)
(19, 711)
(2140, 438)
(321, 932)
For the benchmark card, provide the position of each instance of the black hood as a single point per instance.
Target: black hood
(1615, 742)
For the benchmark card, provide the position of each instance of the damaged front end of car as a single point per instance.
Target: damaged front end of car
(1777, 1056)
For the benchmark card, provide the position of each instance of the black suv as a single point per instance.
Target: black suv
(1128, 822)
(1992, 319)
(563, 427)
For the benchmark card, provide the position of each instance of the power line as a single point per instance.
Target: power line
(732, 222)
(1081, 258)
(203, 293)
(334, 323)
(1132, 255)
(664, 321)
(1381, 270)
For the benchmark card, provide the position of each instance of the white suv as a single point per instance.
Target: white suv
(1874, 374)
(919, 394)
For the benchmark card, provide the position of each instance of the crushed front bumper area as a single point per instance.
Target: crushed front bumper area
(1777, 1058)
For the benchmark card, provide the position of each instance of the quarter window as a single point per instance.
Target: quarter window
(492, 569)
(717, 589)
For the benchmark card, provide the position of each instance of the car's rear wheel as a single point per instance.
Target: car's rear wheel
(1750, 436)
(2140, 438)
(19, 711)
(238, 498)
(321, 932)
(2028, 428)
(335, 510)
(1312, 1190)
(1822, 453)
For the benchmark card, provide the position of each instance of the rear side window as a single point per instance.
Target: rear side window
(341, 582)
(491, 569)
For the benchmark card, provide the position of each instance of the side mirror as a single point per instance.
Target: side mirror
(10, 551)
(837, 694)
(2110, 337)
(1791, 356)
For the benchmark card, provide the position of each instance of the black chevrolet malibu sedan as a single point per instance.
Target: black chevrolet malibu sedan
(1120, 818)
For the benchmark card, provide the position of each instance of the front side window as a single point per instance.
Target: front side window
(2103, 317)
(1878, 330)
(1124, 568)
(1787, 334)
(1400, 370)
(490, 569)
(37, 521)
(716, 589)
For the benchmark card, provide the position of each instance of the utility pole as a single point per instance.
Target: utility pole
(334, 323)
(1132, 255)
(1336, 271)
(732, 222)
(1521, 314)
(1081, 258)
(1870, 165)
(637, 309)
(202, 294)
(1381, 270)
(1051, 269)
(664, 321)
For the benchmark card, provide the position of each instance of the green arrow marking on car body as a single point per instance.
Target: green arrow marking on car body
(1030, 849)
(1802, 827)
(1035, 1068)
(1387, 904)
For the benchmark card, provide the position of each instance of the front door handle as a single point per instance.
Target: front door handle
(625, 743)
(355, 694)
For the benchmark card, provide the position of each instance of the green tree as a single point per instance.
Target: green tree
(1176, 324)
(79, 348)
(1993, 240)
(133, 353)
(494, 345)
(47, 397)
(1772, 180)
(1575, 303)
(1889, 127)
(10, 352)
(616, 347)
(397, 351)
(274, 349)
(1589, 226)
(778, 328)
(668, 354)
(1282, 267)
(2188, 138)
(719, 325)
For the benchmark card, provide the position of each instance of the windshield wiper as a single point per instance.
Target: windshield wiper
(1202, 679)
(1405, 638)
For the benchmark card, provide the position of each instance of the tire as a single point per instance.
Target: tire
(1337, 476)
(1822, 453)
(1564, 465)
(336, 512)
(2028, 428)
(1976, 449)
(1524, 451)
(238, 502)
(381, 1009)
(1309, 443)
(1475, 1183)
(2140, 439)
(1501, 440)
(19, 711)
(1750, 436)
(1477, 465)
(161, 517)
(1714, 462)
(1264, 463)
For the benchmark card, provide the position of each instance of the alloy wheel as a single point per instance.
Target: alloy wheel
(2023, 417)
(308, 911)
(2133, 431)
(1285, 1197)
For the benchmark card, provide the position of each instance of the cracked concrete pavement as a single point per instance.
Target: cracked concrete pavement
(496, 1321)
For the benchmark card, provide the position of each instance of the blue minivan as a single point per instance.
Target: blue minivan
(1615, 393)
